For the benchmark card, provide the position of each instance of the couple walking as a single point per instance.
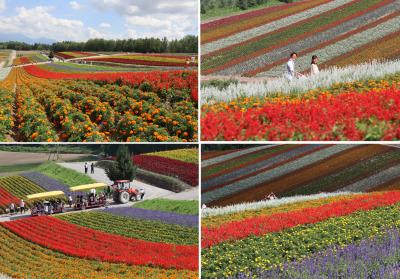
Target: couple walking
(291, 67)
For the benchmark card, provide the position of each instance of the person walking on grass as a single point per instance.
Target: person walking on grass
(86, 168)
(314, 65)
(92, 168)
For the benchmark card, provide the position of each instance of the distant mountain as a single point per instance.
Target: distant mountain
(25, 39)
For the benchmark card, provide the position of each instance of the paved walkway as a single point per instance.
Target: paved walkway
(152, 192)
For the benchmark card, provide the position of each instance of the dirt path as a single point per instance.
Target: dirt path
(152, 192)
(15, 158)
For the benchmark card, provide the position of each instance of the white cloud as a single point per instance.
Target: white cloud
(105, 25)
(157, 18)
(95, 34)
(2, 5)
(38, 22)
(75, 5)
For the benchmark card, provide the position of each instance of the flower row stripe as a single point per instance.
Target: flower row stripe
(87, 243)
(261, 225)
(238, 23)
(209, 48)
(252, 169)
(268, 175)
(297, 177)
(257, 46)
(321, 40)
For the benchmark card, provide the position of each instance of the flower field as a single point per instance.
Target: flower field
(143, 106)
(354, 103)
(29, 58)
(99, 245)
(304, 237)
(73, 54)
(258, 43)
(14, 188)
(146, 60)
(292, 170)
(187, 172)
(189, 155)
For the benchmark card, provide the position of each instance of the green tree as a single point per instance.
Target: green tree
(242, 4)
(122, 168)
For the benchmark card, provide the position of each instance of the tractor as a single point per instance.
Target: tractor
(124, 192)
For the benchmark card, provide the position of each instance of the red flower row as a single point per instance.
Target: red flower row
(87, 243)
(6, 198)
(347, 116)
(139, 62)
(79, 54)
(262, 225)
(184, 171)
(157, 79)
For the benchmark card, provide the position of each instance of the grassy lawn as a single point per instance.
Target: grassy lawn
(227, 11)
(67, 176)
(176, 206)
(45, 148)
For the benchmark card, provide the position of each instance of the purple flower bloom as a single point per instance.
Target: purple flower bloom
(378, 257)
(167, 217)
(46, 182)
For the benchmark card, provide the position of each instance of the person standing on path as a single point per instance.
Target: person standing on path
(86, 168)
(92, 168)
(22, 206)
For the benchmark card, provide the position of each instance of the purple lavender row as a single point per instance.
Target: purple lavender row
(378, 257)
(166, 217)
(48, 183)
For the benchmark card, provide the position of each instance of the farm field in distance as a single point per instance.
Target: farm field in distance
(300, 211)
(152, 236)
(247, 94)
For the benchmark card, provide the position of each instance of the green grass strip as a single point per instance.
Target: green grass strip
(346, 176)
(278, 37)
(248, 158)
(18, 168)
(272, 250)
(176, 206)
(135, 228)
(67, 176)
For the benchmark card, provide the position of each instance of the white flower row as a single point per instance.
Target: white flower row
(325, 79)
(215, 211)
(268, 175)
(270, 27)
(306, 43)
(342, 47)
(375, 180)
(251, 168)
(233, 155)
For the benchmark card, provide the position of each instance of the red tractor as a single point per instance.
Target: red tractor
(124, 192)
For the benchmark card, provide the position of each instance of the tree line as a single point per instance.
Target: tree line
(188, 44)
(208, 5)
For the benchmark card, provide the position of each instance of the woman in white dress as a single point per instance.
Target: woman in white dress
(314, 65)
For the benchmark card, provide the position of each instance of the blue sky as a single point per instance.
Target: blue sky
(81, 20)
